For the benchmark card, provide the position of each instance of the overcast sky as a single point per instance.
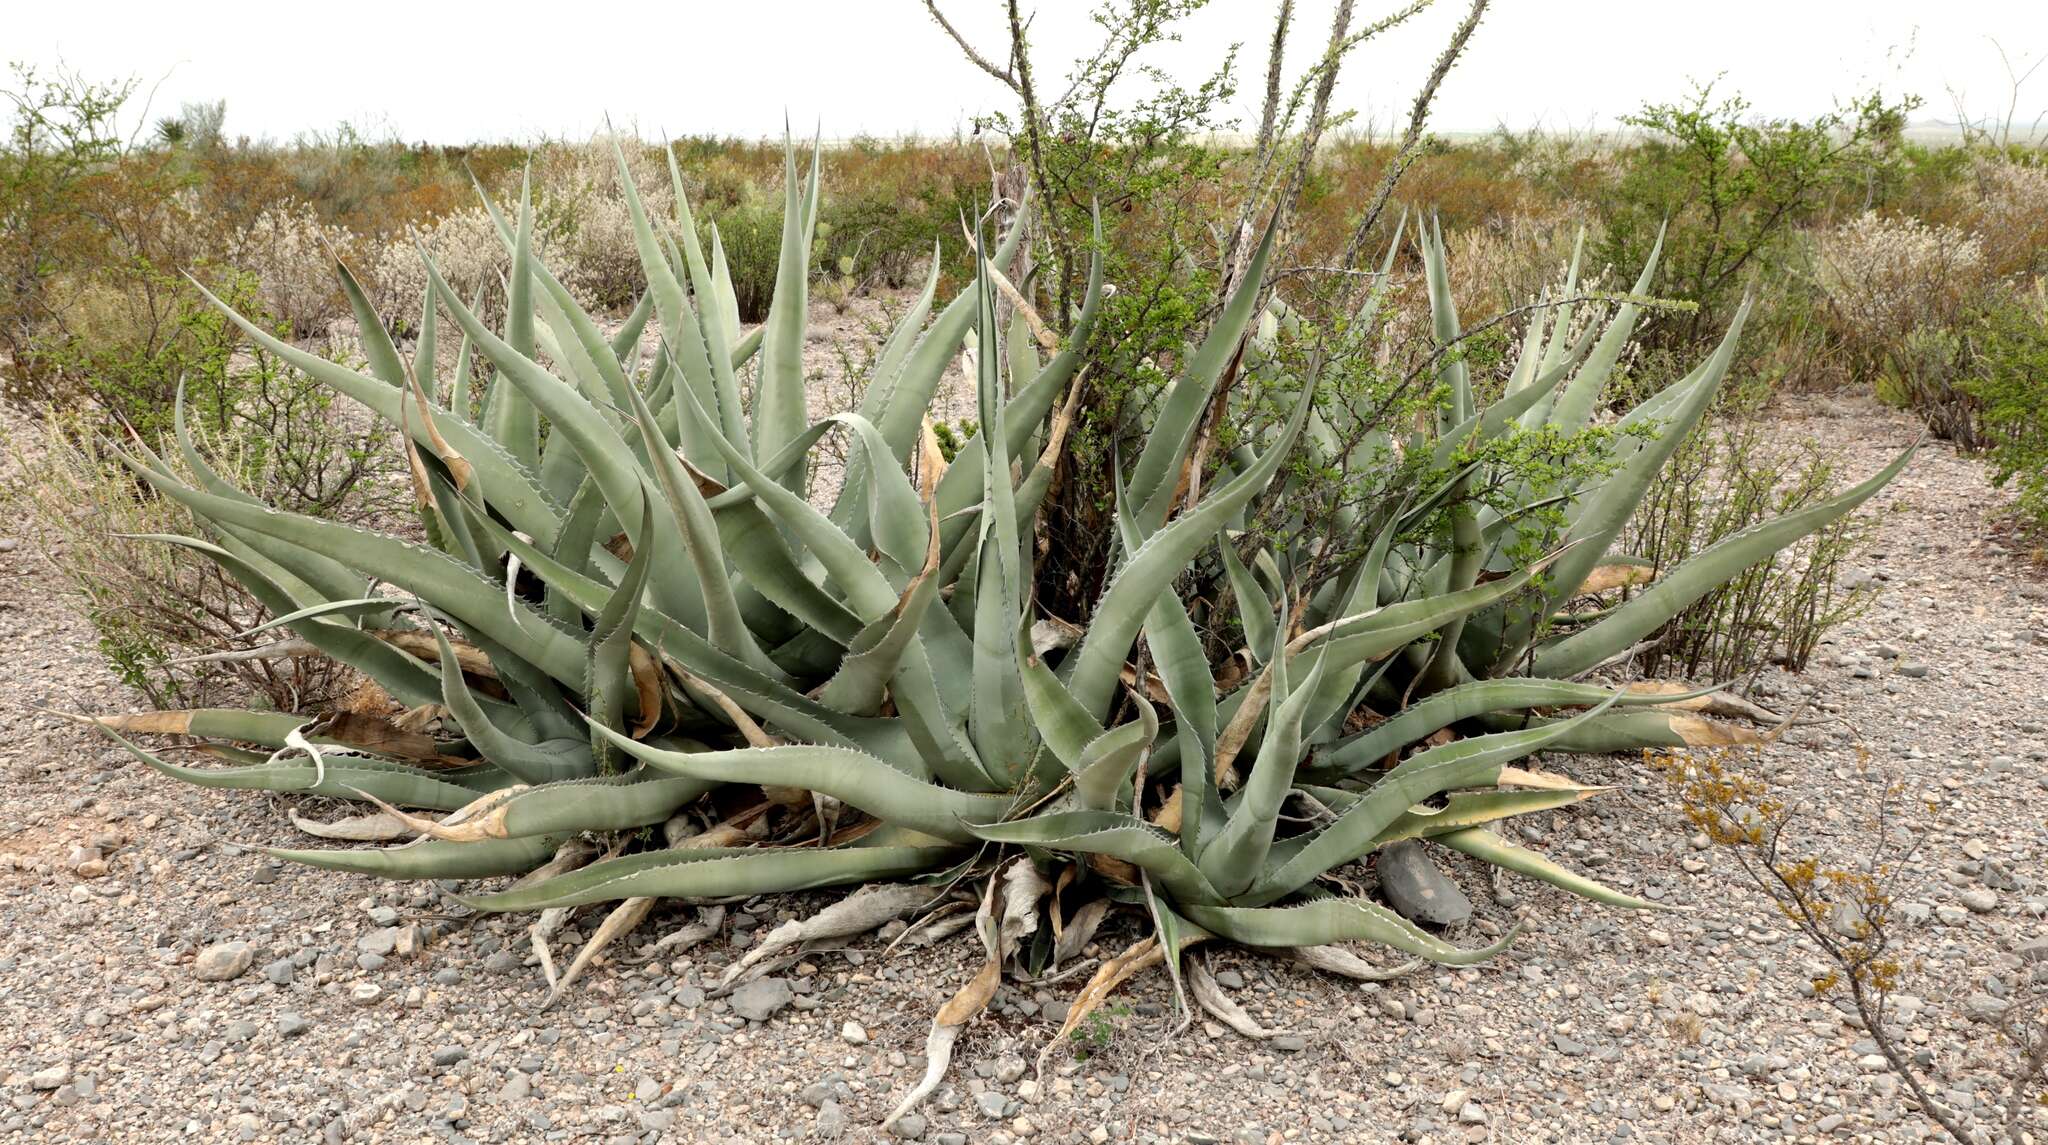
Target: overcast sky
(455, 72)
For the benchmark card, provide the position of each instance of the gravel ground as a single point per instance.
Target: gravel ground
(1597, 1025)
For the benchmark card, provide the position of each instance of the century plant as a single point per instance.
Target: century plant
(633, 633)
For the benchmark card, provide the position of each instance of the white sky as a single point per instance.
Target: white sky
(456, 72)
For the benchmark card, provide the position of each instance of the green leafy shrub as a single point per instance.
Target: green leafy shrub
(1723, 480)
(2012, 384)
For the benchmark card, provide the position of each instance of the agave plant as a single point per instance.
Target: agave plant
(630, 616)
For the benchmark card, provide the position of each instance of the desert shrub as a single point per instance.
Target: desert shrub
(2011, 383)
(751, 232)
(1722, 480)
(581, 221)
(291, 251)
(2010, 214)
(61, 134)
(271, 431)
(1730, 192)
(1899, 292)
(1884, 276)
(161, 614)
(465, 246)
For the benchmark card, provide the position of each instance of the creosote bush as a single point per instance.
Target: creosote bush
(629, 616)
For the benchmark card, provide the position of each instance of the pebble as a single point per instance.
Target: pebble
(449, 1055)
(280, 971)
(292, 1025)
(223, 961)
(910, 1127)
(853, 1034)
(1979, 900)
(51, 1078)
(365, 993)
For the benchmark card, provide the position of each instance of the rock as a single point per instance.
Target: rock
(1009, 1068)
(1230, 979)
(853, 1034)
(449, 1055)
(1416, 889)
(51, 1078)
(1985, 1008)
(1980, 900)
(1471, 1113)
(1569, 1047)
(517, 1088)
(1846, 919)
(280, 971)
(1912, 670)
(365, 993)
(291, 1025)
(222, 961)
(1290, 1043)
(760, 999)
(831, 1122)
(381, 941)
(1830, 1123)
(991, 1104)
(242, 1031)
(910, 1127)
(2033, 949)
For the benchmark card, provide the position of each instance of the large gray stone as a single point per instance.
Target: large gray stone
(1416, 889)
(758, 1001)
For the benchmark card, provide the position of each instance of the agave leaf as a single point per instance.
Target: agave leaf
(374, 339)
(715, 872)
(1000, 724)
(779, 396)
(1064, 727)
(1425, 717)
(426, 573)
(410, 681)
(1483, 844)
(1472, 808)
(1605, 514)
(1575, 404)
(852, 777)
(1330, 920)
(1238, 854)
(514, 488)
(1180, 411)
(1102, 774)
(342, 776)
(1111, 833)
(1128, 600)
(1474, 762)
(530, 763)
(638, 798)
(1676, 588)
(698, 532)
(874, 655)
(432, 858)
